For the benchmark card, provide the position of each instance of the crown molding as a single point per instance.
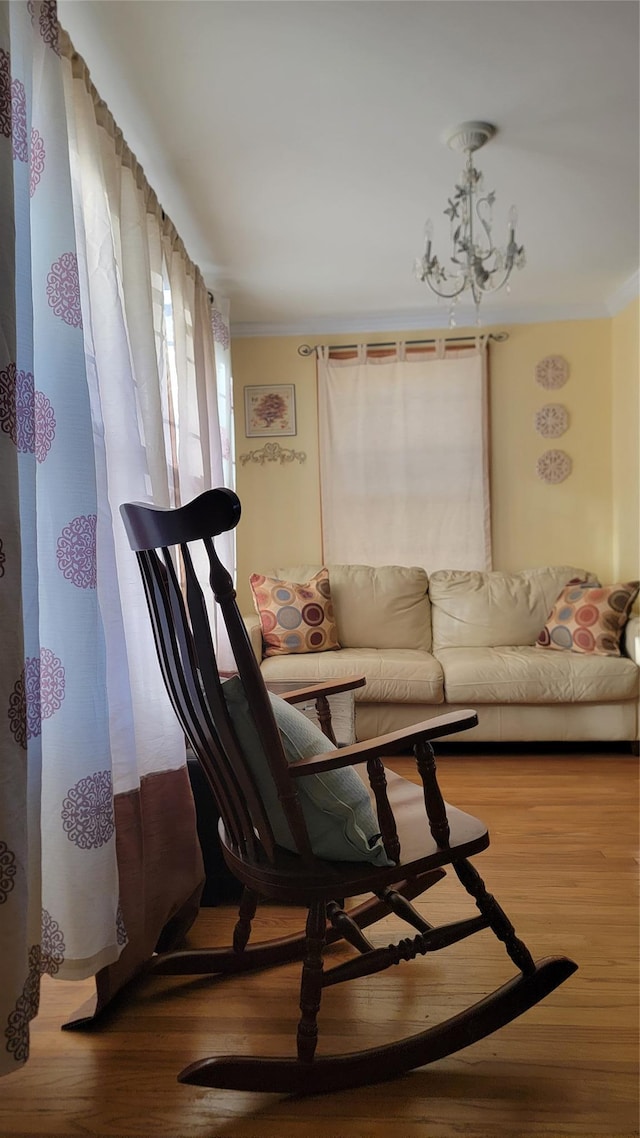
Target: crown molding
(418, 319)
(624, 295)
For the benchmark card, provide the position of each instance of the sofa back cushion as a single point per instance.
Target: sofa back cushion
(490, 610)
(377, 607)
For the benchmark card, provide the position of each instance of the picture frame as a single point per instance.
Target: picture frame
(270, 410)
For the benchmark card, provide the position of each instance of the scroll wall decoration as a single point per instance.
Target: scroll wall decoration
(273, 452)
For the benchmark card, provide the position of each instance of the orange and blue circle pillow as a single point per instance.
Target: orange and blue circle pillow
(589, 618)
(295, 617)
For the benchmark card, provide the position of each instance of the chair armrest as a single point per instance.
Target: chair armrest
(632, 639)
(435, 728)
(319, 695)
(326, 688)
(254, 628)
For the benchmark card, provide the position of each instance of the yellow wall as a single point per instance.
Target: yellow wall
(534, 523)
(626, 443)
(280, 522)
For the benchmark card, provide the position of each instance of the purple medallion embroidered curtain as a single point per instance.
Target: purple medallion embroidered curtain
(106, 394)
(56, 796)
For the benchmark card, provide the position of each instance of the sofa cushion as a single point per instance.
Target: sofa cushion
(526, 675)
(336, 804)
(587, 618)
(295, 617)
(487, 610)
(395, 675)
(379, 607)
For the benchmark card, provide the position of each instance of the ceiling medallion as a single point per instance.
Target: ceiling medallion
(476, 263)
(552, 420)
(554, 466)
(552, 372)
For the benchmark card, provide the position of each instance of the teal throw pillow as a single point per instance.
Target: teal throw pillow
(341, 822)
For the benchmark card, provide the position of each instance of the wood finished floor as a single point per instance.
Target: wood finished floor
(563, 863)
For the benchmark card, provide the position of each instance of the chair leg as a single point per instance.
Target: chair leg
(246, 913)
(498, 921)
(404, 909)
(347, 928)
(311, 983)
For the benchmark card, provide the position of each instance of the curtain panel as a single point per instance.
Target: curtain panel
(107, 394)
(56, 786)
(404, 457)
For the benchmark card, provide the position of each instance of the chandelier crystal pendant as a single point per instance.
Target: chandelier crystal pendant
(477, 264)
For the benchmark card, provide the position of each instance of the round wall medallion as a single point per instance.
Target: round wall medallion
(552, 420)
(553, 466)
(552, 372)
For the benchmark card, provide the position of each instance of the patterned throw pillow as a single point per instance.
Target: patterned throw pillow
(295, 617)
(589, 618)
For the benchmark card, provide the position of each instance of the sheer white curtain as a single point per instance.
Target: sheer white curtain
(153, 379)
(404, 457)
(224, 384)
(107, 394)
(226, 543)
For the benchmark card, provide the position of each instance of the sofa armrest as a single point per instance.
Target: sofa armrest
(632, 639)
(254, 628)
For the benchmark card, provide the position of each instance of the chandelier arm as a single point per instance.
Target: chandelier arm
(487, 228)
(486, 291)
(446, 295)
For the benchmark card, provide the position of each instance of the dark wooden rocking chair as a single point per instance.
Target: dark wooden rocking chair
(418, 841)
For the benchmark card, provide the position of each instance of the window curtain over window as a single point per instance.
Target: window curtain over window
(226, 542)
(107, 394)
(404, 457)
(224, 385)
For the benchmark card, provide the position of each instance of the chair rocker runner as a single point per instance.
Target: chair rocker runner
(417, 833)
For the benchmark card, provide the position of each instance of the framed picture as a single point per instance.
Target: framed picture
(270, 409)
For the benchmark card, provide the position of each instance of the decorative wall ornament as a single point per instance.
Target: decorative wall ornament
(273, 452)
(552, 420)
(552, 372)
(554, 466)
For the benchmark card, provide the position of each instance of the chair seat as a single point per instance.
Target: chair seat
(289, 879)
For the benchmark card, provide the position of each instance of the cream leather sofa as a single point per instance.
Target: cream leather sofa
(464, 639)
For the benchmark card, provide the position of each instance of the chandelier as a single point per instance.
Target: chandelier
(476, 263)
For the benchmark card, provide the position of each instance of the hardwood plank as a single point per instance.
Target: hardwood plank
(562, 863)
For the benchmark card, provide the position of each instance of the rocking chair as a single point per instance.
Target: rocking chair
(417, 833)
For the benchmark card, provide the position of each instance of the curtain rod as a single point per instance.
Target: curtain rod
(308, 350)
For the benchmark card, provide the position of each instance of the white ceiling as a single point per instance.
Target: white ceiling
(297, 145)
